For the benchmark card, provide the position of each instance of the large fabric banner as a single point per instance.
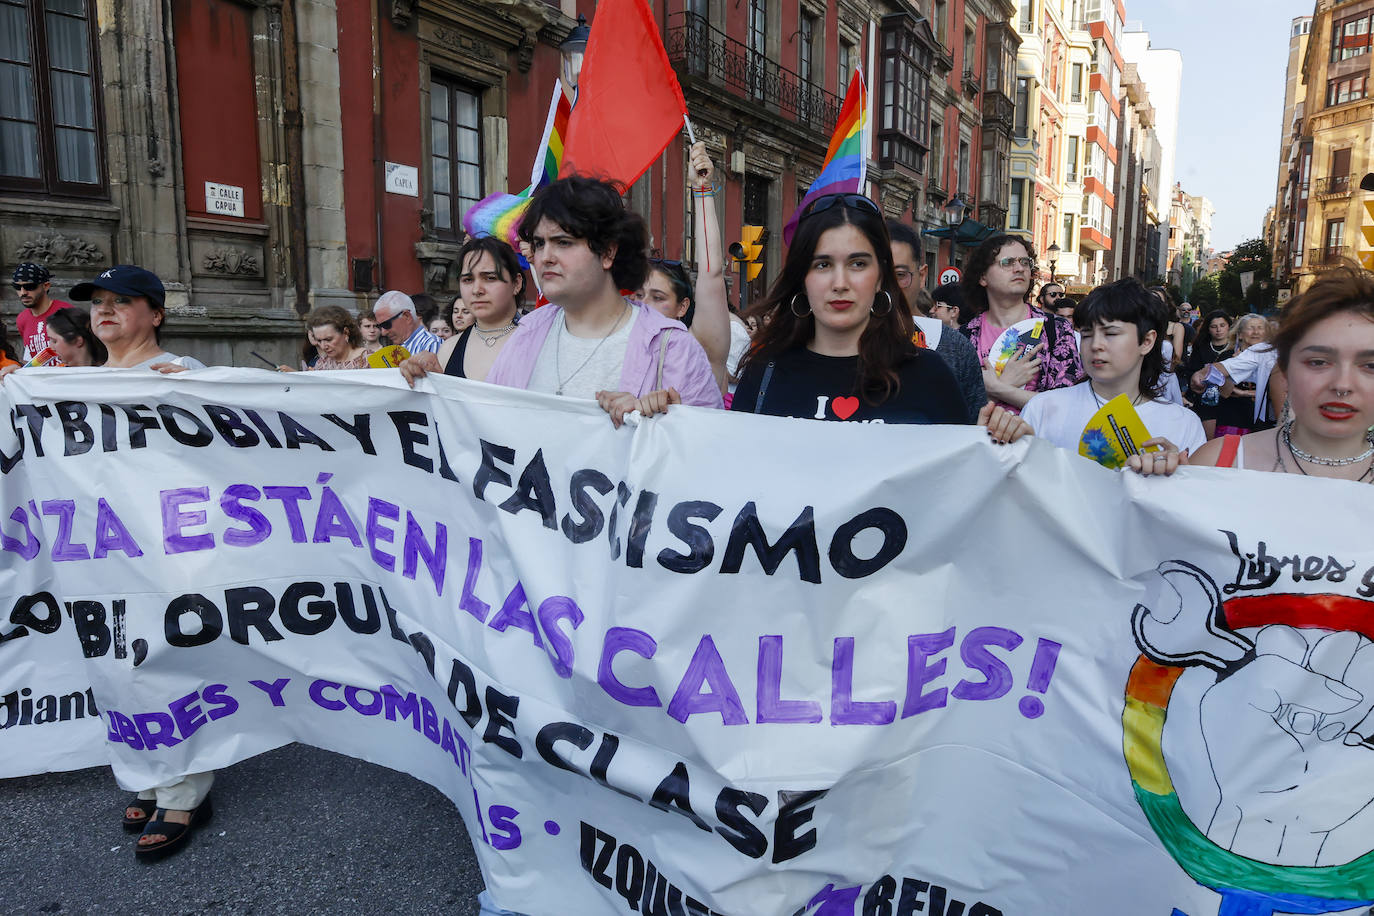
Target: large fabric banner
(710, 663)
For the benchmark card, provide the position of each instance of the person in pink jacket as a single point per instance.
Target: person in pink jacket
(592, 341)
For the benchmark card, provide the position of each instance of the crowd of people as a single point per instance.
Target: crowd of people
(847, 332)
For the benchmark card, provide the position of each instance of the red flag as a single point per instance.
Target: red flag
(629, 104)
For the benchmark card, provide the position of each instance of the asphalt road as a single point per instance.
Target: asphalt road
(297, 830)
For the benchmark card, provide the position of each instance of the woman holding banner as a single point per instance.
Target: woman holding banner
(1325, 348)
(1123, 329)
(834, 341)
(492, 286)
(128, 311)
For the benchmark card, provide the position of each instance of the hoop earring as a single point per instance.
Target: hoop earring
(793, 306)
(885, 312)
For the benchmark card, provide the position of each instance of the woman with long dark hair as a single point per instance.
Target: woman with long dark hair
(69, 332)
(1212, 345)
(835, 335)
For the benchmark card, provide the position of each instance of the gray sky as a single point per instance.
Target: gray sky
(1234, 57)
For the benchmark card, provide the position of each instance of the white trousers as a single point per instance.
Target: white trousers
(184, 794)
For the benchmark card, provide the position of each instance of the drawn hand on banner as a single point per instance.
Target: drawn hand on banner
(1280, 732)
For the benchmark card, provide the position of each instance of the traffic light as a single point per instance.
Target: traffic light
(750, 249)
(1367, 230)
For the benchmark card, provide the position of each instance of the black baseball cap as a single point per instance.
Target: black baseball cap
(127, 280)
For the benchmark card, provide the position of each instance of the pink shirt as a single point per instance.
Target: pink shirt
(685, 365)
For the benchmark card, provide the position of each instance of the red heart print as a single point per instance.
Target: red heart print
(844, 407)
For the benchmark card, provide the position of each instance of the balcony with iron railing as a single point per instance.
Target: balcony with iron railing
(1326, 256)
(1333, 186)
(700, 52)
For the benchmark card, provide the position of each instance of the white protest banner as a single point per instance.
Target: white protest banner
(864, 670)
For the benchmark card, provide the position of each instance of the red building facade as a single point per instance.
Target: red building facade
(267, 156)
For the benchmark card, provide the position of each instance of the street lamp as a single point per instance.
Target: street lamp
(572, 49)
(954, 211)
(1053, 253)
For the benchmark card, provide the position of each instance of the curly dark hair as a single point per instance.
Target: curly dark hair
(591, 209)
(886, 341)
(975, 294)
(1129, 302)
(340, 318)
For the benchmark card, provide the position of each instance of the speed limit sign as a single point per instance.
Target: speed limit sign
(950, 275)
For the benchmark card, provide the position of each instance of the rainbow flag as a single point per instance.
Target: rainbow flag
(846, 161)
(499, 214)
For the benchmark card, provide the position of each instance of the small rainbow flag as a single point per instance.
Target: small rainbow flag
(499, 214)
(846, 161)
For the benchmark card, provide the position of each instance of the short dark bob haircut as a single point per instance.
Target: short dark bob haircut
(591, 209)
(1129, 302)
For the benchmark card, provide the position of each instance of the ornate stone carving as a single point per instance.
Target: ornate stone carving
(436, 274)
(402, 11)
(524, 53)
(230, 261)
(437, 258)
(472, 47)
(58, 250)
(157, 168)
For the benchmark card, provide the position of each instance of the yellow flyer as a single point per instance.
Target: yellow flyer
(1113, 434)
(388, 357)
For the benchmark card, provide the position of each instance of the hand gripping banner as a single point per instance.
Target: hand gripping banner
(709, 664)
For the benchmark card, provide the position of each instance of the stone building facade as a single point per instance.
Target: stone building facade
(1322, 215)
(269, 156)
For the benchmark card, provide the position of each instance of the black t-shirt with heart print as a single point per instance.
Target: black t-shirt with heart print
(800, 383)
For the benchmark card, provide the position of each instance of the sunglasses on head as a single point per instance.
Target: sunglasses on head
(852, 201)
(26, 287)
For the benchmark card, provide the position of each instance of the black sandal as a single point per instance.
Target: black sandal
(146, 806)
(175, 834)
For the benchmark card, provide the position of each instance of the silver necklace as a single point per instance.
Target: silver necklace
(1225, 345)
(558, 349)
(1287, 433)
(1101, 403)
(491, 337)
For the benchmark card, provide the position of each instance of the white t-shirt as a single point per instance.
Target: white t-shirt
(185, 362)
(584, 365)
(739, 343)
(1060, 416)
(1254, 364)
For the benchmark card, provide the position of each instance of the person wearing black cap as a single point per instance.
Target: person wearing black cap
(33, 282)
(127, 313)
(128, 307)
